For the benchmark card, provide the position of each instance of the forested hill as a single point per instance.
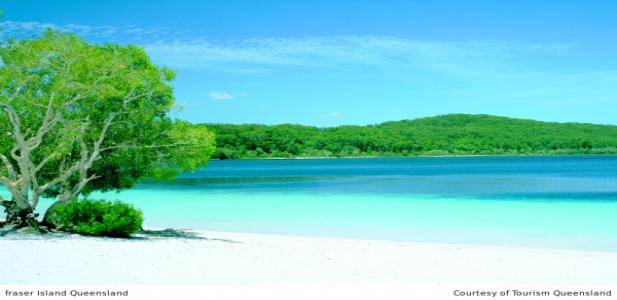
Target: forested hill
(455, 134)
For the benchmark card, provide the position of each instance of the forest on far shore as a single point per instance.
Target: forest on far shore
(454, 134)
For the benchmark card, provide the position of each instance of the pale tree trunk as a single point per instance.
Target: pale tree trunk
(20, 176)
(21, 171)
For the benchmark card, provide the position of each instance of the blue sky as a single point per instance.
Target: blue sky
(328, 63)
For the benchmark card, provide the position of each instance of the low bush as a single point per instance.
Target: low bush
(95, 217)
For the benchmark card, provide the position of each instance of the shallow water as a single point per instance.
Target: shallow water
(567, 202)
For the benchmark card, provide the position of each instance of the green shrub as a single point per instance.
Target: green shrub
(95, 217)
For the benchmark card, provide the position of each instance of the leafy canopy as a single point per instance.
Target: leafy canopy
(456, 134)
(65, 101)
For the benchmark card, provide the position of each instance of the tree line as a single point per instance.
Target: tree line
(454, 134)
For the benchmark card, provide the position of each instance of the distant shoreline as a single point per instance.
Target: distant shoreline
(415, 156)
(440, 136)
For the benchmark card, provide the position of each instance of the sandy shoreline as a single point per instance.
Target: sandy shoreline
(242, 258)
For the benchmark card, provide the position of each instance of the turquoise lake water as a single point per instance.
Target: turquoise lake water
(567, 202)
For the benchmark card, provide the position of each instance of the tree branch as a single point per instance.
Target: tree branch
(9, 166)
(47, 124)
(145, 146)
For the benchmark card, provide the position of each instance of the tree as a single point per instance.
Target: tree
(442, 135)
(78, 117)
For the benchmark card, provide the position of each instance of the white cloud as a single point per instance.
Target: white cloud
(219, 95)
(331, 51)
(256, 56)
(13, 28)
(333, 115)
(416, 62)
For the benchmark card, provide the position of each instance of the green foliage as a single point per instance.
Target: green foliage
(456, 134)
(96, 217)
(196, 144)
(84, 86)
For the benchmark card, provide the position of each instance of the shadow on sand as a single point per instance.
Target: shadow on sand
(175, 233)
(146, 234)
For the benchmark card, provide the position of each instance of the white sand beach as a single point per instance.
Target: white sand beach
(242, 258)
